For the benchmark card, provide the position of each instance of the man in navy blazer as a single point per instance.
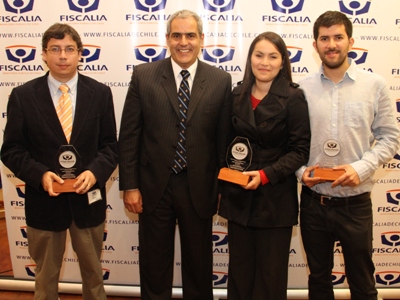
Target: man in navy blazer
(148, 139)
(32, 138)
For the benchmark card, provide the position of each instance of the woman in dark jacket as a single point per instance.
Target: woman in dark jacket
(271, 112)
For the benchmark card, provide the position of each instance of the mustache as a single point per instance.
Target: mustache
(332, 51)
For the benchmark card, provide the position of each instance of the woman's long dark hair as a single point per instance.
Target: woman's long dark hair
(249, 78)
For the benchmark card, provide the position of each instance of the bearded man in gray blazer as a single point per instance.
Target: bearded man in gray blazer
(166, 189)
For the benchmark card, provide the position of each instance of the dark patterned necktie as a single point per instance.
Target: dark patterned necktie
(183, 97)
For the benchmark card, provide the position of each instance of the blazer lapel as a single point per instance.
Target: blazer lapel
(272, 104)
(169, 85)
(45, 104)
(196, 94)
(242, 108)
(84, 99)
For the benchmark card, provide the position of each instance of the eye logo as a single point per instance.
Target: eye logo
(106, 274)
(20, 190)
(359, 55)
(287, 6)
(90, 53)
(387, 278)
(219, 6)
(294, 53)
(67, 157)
(393, 197)
(220, 238)
(220, 278)
(20, 53)
(354, 7)
(391, 238)
(240, 149)
(23, 232)
(331, 145)
(338, 278)
(83, 6)
(18, 7)
(30, 270)
(150, 53)
(218, 53)
(150, 5)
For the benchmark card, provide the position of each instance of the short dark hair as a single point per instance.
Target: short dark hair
(58, 31)
(330, 18)
(249, 78)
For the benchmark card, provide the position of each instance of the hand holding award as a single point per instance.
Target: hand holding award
(238, 159)
(67, 164)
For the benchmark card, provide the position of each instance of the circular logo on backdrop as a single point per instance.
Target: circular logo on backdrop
(67, 159)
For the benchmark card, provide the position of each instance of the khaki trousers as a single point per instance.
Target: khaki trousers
(47, 250)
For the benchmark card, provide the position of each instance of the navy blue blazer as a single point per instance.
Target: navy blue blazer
(33, 136)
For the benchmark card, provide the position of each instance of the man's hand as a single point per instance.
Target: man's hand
(47, 182)
(84, 182)
(349, 178)
(133, 201)
(310, 181)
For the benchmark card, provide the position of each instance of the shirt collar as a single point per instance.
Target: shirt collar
(351, 72)
(55, 84)
(177, 70)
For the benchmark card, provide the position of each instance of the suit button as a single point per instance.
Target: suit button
(263, 124)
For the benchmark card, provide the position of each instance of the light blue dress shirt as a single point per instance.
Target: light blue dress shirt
(357, 112)
(56, 93)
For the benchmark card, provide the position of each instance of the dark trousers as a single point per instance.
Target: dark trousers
(351, 224)
(258, 262)
(157, 240)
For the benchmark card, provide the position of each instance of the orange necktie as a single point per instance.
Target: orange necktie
(64, 111)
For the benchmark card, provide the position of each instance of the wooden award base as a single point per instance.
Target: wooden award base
(233, 176)
(328, 174)
(66, 187)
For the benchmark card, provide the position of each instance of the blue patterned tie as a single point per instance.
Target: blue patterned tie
(183, 97)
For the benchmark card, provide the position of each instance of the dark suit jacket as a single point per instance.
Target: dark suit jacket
(33, 136)
(279, 133)
(149, 133)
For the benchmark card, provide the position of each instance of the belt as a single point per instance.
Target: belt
(334, 201)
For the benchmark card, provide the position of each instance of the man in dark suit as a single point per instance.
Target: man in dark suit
(164, 188)
(33, 137)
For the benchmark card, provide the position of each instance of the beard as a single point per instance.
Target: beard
(333, 64)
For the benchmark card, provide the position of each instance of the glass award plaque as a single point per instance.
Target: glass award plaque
(238, 159)
(67, 165)
(326, 172)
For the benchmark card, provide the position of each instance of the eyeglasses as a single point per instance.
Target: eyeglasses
(58, 50)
